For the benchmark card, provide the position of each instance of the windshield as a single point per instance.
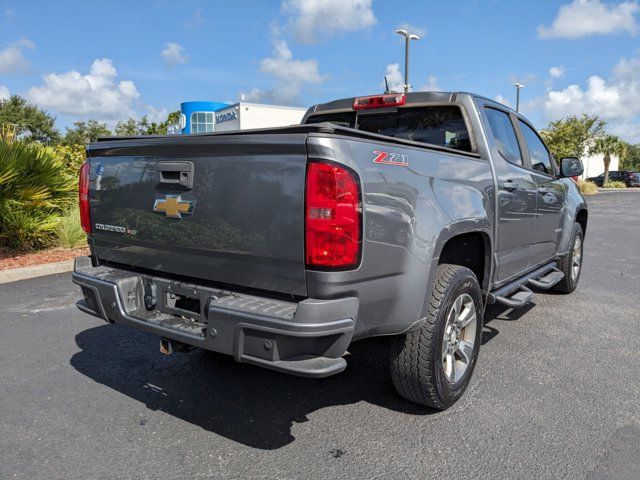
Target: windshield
(441, 125)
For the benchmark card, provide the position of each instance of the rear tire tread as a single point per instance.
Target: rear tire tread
(412, 355)
(565, 263)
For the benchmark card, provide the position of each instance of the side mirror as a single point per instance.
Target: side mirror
(571, 167)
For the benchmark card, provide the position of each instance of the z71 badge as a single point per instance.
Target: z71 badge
(388, 158)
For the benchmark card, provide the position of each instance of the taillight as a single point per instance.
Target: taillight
(379, 101)
(83, 192)
(333, 210)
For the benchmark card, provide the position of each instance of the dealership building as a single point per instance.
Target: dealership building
(205, 117)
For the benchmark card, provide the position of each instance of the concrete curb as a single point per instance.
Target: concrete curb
(15, 274)
(626, 190)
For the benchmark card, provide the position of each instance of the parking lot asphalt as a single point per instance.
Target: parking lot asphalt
(555, 394)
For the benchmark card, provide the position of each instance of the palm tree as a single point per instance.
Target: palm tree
(36, 188)
(608, 145)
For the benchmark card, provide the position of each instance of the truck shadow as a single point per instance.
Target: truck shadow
(250, 405)
(501, 313)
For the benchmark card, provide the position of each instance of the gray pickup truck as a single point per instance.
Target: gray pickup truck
(399, 215)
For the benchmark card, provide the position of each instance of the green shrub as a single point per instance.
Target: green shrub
(36, 188)
(72, 155)
(587, 188)
(69, 232)
(615, 185)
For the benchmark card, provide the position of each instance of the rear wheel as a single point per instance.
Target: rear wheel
(432, 366)
(571, 263)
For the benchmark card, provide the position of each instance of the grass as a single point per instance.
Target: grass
(615, 185)
(69, 232)
(587, 188)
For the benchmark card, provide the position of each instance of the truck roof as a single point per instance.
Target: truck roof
(412, 98)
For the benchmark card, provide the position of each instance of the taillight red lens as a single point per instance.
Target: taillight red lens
(333, 210)
(379, 101)
(83, 192)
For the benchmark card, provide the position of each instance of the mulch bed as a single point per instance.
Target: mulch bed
(27, 259)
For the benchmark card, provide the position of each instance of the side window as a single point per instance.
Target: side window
(540, 157)
(505, 135)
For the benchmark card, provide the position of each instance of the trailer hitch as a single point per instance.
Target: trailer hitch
(168, 346)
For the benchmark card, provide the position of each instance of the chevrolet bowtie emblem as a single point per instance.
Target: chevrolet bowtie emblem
(173, 206)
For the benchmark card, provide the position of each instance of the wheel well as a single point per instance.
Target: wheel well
(469, 250)
(581, 218)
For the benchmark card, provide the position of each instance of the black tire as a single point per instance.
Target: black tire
(568, 284)
(417, 369)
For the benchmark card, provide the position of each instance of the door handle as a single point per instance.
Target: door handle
(174, 175)
(510, 186)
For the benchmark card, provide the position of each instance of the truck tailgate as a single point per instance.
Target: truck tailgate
(215, 208)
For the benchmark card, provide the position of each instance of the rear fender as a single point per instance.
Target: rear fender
(575, 203)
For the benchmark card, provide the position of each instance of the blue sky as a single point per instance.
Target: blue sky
(108, 60)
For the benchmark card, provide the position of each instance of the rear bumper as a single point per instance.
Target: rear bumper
(307, 338)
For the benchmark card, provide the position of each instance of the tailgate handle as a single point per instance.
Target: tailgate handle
(174, 175)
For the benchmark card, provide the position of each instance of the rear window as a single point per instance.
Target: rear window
(438, 125)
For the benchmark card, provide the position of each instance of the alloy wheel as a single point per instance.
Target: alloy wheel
(458, 342)
(576, 259)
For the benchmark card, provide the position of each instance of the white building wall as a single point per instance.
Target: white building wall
(245, 116)
(594, 165)
(254, 115)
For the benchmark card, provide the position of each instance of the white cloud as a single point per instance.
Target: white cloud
(556, 72)
(4, 92)
(157, 115)
(628, 69)
(313, 20)
(503, 100)
(526, 79)
(173, 54)
(197, 19)
(395, 78)
(420, 31)
(581, 18)
(431, 85)
(12, 57)
(629, 131)
(599, 97)
(97, 95)
(616, 99)
(290, 74)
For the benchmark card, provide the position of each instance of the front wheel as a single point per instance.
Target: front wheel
(432, 366)
(571, 263)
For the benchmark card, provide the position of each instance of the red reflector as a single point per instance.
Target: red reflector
(332, 211)
(379, 101)
(83, 193)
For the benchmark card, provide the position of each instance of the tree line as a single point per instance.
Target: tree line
(573, 136)
(576, 136)
(32, 124)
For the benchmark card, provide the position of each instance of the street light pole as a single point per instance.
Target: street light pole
(407, 36)
(518, 87)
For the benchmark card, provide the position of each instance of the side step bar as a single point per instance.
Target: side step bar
(518, 299)
(516, 294)
(548, 281)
